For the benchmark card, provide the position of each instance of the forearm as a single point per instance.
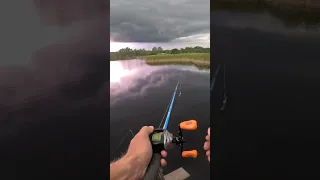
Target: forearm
(124, 169)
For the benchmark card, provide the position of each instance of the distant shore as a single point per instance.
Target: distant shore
(200, 60)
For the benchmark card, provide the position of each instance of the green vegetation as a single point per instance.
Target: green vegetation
(201, 60)
(197, 56)
(292, 12)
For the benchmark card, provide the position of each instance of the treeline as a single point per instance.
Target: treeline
(127, 53)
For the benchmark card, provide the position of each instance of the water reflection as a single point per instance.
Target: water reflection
(139, 95)
(262, 21)
(271, 77)
(290, 13)
(130, 78)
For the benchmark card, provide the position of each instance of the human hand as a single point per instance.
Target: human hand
(141, 149)
(206, 145)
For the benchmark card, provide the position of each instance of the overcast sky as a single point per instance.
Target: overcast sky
(166, 23)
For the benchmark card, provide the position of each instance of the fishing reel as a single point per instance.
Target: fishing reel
(190, 125)
(163, 140)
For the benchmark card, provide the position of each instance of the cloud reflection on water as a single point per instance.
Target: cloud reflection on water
(130, 78)
(264, 22)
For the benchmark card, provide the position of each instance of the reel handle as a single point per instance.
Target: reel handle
(153, 168)
(189, 125)
(191, 153)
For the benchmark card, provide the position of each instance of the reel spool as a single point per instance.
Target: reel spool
(162, 139)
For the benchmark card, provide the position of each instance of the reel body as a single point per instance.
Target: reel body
(163, 140)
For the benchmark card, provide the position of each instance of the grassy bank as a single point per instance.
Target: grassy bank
(200, 60)
(291, 12)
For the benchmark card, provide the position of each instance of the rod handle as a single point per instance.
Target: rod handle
(153, 168)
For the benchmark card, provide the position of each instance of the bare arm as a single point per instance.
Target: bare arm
(134, 164)
(125, 168)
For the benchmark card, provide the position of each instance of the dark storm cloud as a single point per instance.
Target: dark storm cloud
(47, 57)
(158, 20)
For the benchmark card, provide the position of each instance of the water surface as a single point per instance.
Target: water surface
(270, 126)
(139, 95)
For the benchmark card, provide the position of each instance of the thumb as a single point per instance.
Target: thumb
(147, 130)
(209, 131)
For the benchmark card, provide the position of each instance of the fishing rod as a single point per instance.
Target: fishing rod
(225, 97)
(165, 126)
(214, 78)
(162, 139)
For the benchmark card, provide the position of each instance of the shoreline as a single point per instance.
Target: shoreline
(200, 60)
(201, 64)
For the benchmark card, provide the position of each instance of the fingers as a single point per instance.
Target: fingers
(208, 138)
(208, 155)
(164, 154)
(206, 145)
(147, 130)
(163, 162)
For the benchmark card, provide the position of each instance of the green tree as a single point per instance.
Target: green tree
(175, 51)
(160, 50)
(128, 53)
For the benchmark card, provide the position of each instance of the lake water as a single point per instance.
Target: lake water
(270, 126)
(139, 95)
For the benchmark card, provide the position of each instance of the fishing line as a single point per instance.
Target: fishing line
(170, 108)
(215, 77)
(180, 91)
(129, 131)
(224, 102)
(160, 172)
(166, 112)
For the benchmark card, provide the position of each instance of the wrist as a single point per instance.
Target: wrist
(133, 164)
(128, 167)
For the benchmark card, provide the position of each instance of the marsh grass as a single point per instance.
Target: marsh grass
(200, 60)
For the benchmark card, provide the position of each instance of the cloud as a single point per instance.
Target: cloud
(160, 21)
(34, 24)
(41, 58)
